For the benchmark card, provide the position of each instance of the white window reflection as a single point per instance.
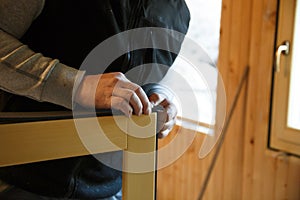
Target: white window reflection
(294, 96)
(192, 91)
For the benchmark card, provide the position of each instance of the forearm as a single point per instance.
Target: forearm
(30, 74)
(23, 71)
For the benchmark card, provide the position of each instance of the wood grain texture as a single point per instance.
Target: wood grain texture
(246, 168)
(182, 179)
(139, 160)
(284, 137)
(38, 141)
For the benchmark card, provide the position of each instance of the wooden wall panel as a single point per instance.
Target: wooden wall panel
(257, 162)
(234, 52)
(182, 179)
(265, 172)
(246, 169)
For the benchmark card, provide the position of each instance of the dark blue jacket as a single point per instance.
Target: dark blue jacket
(82, 25)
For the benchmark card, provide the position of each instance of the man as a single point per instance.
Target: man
(65, 31)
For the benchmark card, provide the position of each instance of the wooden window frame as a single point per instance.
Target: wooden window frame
(282, 137)
(29, 142)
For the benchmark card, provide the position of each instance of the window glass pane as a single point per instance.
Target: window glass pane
(294, 96)
(194, 91)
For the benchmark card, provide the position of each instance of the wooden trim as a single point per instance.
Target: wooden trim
(139, 166)
(38, 141)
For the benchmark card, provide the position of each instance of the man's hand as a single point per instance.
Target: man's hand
(113, 90)
(166, 116)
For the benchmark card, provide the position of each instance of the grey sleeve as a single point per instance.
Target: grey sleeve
(17, 15)
(25, 72)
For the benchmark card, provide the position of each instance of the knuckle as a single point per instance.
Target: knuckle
(135, 100)
(139, 106)
(130, 94)
(123, 103)
(119, 74)
(132, 86)
(138, 89)
(118, 78)
(119, 102)
(154, 97)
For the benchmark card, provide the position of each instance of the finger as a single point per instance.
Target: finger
(166, 129)
(147, 107)
(170, 109)
(169, 125)
(163, 134)
(122, 105)
(131, 97)
(155, 99)
(141, 95)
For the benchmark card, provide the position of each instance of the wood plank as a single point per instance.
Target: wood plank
(249, 178)
(282, 165)
(139, 160)
(230, 160)
(257, 123)
(215, 186)
(38, 141)
(269, 172)
(293, 182)
(167, 179)
(184, 177)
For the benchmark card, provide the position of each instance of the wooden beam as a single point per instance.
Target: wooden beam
(139, 166)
